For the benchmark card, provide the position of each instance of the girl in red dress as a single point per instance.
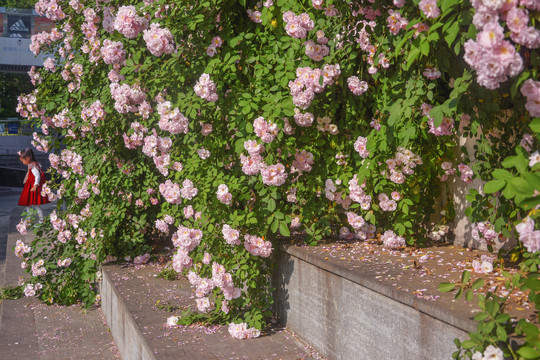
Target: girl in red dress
(33, 182)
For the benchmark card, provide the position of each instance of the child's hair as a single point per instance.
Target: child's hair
(27, 154)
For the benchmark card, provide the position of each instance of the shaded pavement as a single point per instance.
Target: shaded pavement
(29, 329)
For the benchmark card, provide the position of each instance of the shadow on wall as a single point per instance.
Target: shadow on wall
(462, 226)
(281, 279)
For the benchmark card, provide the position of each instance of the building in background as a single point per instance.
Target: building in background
(16, 28)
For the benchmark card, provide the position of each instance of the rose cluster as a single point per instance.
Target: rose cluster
(307, 83)
(396, 21)
(231, 236)
(485, 232)
(128, 23)
(403, 164)
(531, 90)
(224, 195)
(358, 195)
(158, 41)
(356, 86)
(316, 51)
(44, 38)
(241, 331)
(466, 172)
(256, 246)
(528, 235)
(273, 174)
(50, 9)
(302, 161)
(448, 170)
(297, 26)
(216, 44)
(494, 58)
(112, 52)
(127, 98)
(172, 120)
(206, 88)
(391, 240)
(484, 265)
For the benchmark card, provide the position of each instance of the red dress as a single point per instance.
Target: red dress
(33, 197)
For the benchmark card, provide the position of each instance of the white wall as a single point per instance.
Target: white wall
(15, 51)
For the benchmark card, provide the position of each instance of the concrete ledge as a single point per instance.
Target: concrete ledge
(131, 295)
(348, 314)
(126, 334)
(344, 312)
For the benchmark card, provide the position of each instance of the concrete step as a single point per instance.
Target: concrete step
(130, 295)
(349, 298)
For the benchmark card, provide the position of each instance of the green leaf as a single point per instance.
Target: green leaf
(246, 110)
(275, 225)
(465, 276)
(528, 352)
(522, 186)
(468, 344)
(488, 327)
(413, 55)
(437, 114)
(493, 186)
(446, 4)
(424, 48)
(480, 317)
(530, 203)
(271, 205)
(502, 318)
(395, 113)
(535, 125)
(515, 161)
(284, 229)
(502, 174)
(446, 287)
(477, 284)
(451, 33)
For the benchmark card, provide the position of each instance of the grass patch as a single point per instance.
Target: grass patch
(11, 292)
(167, 274)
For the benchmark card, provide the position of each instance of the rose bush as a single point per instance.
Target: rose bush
(224, 125)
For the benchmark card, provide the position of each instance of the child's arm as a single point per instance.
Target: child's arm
(37, 178)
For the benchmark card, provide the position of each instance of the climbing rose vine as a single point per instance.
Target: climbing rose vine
(222, 126)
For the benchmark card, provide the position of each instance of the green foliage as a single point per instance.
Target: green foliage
(11, 86)
(168, 274)
(11, 292)
(19, 4)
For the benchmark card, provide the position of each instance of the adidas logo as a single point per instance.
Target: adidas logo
(19, 26)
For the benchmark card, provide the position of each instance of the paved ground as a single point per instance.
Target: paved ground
(32, 330)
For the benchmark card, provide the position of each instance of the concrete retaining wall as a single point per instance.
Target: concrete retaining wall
(342, 313)
(347, 317)
(127, 336)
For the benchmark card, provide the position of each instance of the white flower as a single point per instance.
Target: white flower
(493, 353)
(487, 267)
(172, 321)
(477, 356)
(534, 158)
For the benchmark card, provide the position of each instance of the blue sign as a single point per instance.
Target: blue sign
(13, 128)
